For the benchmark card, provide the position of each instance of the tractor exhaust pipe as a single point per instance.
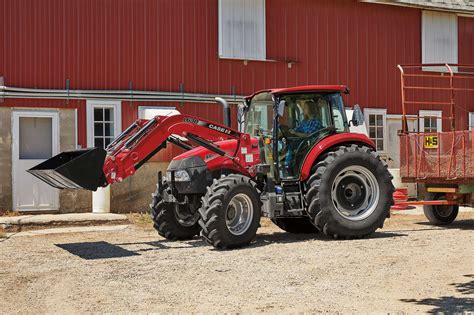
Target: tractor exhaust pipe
(226, 108)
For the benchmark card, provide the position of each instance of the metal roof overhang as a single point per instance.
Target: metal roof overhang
(461, 7)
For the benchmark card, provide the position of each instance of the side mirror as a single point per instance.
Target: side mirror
(281, 108)
(357, 116)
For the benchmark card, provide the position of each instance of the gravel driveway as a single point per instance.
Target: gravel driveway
(408, 266)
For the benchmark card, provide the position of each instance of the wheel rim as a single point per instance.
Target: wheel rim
(239, 214)
(184, 217)
(443, 211)
(355, 193)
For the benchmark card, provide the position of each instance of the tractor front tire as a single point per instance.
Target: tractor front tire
(439, 215)
(296, 225)
(230, 212)
(168, 222)
(350, 192)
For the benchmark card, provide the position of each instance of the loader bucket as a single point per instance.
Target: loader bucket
(79, 169)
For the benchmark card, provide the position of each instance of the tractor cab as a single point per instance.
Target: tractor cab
(289, 123)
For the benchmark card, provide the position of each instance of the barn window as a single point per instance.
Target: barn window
(376, 121)
(242, 29)
(148, 112)
(103, 122)
(439, 37)
(430, 121)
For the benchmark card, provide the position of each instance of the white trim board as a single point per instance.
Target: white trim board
(377, 111)
(470, 121)
(431, 113)
(157, 110)
(90, 104)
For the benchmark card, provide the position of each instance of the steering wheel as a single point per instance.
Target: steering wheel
(307, 139)
(284, 132)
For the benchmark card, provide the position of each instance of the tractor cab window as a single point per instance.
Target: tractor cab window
(305, 121)
(259, 116)
(338, 112)
(259, 123)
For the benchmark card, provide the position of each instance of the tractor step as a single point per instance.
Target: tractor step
(79, 169)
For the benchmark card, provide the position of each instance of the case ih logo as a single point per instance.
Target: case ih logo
(205, 124)
(220, 129)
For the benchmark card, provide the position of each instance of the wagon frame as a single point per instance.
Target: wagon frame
(443, 161)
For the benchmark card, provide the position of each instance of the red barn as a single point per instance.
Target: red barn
(75, 73)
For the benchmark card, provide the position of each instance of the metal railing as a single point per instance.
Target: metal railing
(443, 78)
(436, 156)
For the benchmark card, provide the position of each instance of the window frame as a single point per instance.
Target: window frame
(91, 105)
(431, 113)
(141, 110)
(377, 111)
(259, 56)
(427, 46)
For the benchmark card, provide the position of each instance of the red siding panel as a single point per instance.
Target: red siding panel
(161, 45)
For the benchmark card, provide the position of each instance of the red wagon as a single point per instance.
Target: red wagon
(442, 161)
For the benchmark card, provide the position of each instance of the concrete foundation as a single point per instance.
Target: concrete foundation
(134, 193)
(6, 197)
(71, 201)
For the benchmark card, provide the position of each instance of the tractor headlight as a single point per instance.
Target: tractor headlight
(181, 176)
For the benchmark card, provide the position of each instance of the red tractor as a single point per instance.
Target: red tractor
(293, 160)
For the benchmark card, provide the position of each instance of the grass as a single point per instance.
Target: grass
(141, 219)
(9, 213)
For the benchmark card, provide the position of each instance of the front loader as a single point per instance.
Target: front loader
(292, 160)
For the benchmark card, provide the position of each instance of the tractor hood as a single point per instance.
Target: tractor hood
(229, 146)
(215, 161)
(191, 172)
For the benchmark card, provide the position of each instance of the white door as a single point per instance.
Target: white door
(35, 139)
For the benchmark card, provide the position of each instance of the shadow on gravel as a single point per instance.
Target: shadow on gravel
(450, 304)
(458, 225)
(105, 250)
(96, 250)
(166, 244)
(283, 238)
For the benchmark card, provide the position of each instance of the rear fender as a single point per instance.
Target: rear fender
(329, 142)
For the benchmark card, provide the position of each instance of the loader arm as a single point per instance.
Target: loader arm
(145, 138)
(95, 167)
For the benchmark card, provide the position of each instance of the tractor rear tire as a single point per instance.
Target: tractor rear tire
(230, 212)
(350, 192)
(296, 225)
(168, 222)
(439, 215)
